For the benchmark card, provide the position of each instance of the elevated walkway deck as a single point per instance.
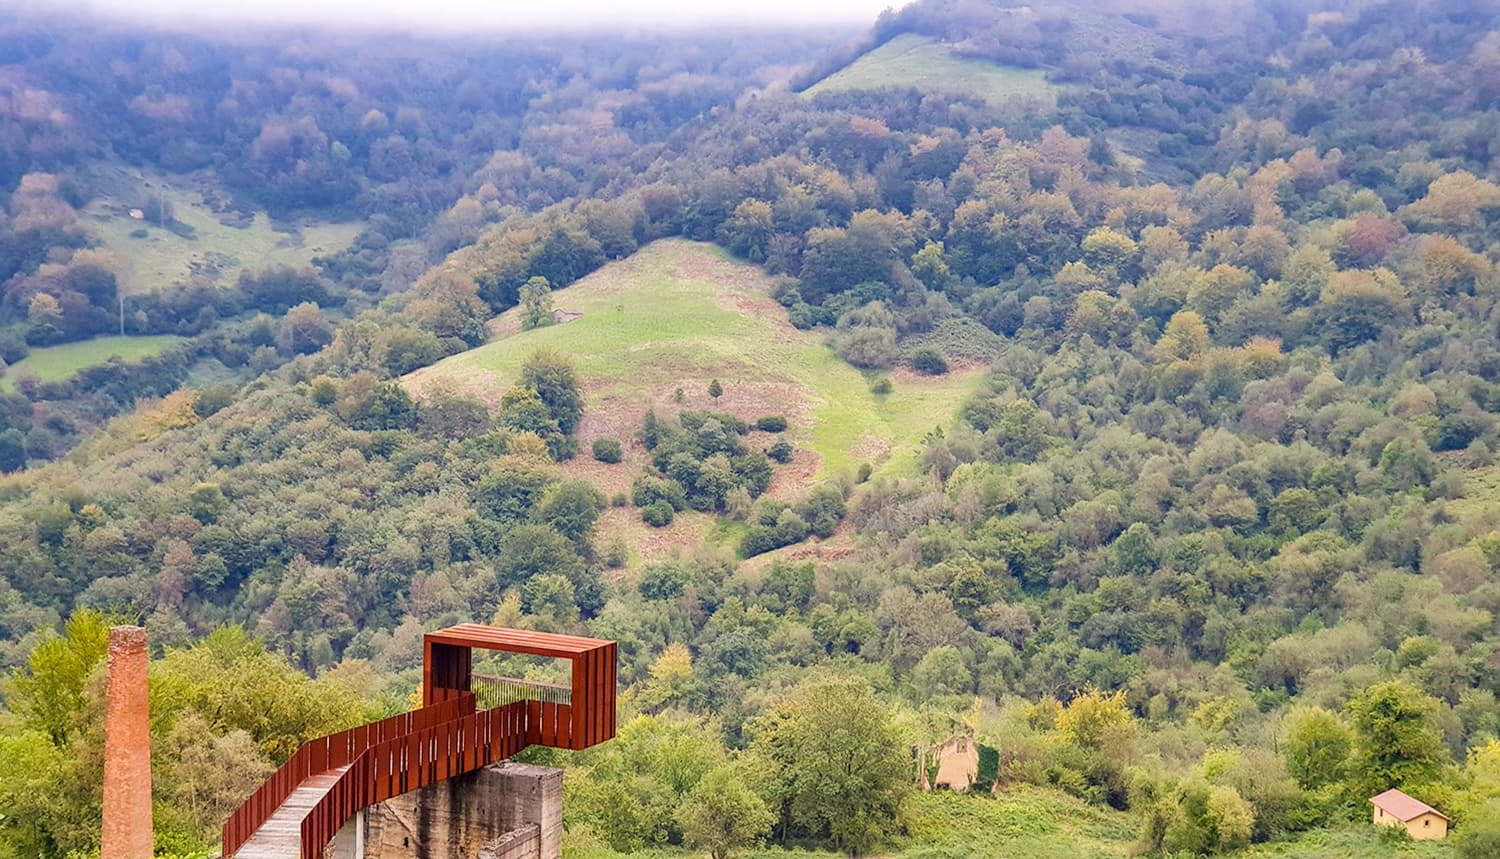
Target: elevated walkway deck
(304, 804)
(280, 837)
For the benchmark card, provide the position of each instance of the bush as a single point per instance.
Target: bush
(929, 362)
(616, 554)
(692, 420)
(608, 450)
(658, 514)
(1480, 834)
(780, 451)
(646, 491)
(771, 423)
(619, 499)
(882, 386)
(805, 316)
(789, 528)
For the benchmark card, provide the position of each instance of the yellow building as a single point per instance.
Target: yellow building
(1422, 821)
(958, 764)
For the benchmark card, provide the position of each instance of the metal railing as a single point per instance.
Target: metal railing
(430, 755)
(492, 691)
(328, 753)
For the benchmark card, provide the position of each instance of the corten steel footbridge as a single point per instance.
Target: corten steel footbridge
(466, 722)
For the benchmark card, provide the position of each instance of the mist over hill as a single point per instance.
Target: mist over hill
(1113, 384)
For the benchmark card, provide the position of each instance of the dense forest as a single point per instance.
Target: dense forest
(1212, 547)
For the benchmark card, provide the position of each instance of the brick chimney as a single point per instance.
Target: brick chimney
(127, 750)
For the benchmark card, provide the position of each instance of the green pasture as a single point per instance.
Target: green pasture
(920, 62)
(56, 363)
(679, 314)
(152, 256)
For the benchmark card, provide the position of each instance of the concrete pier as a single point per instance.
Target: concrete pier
(503, 811)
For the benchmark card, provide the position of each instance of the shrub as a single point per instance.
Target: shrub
(865, 470)
(757, 541)
(805, 316)
(789, 528)
(649, 490)
(929, 362)
(882, 386)
(664, 581)
(608, 450)
(692, 420)
(619, 499)
(657, 514)
(780, 451)
(822, 510)
(715, 389)
(616, 554)
(771, 423)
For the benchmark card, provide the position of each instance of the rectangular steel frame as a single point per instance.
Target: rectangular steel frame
(448, 670)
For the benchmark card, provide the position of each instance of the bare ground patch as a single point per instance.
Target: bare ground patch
(648, 544)
(902, 375)
(871, 447)
(841, 545)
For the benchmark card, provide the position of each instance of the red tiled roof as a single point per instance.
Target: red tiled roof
(1403, 807)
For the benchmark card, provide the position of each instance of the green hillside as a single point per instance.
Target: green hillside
(207, 243)
(56, 363)
(916, 61)
(679, 314)
(1020, 823)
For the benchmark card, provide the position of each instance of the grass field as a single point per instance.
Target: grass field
(1355, 842)
(1031, 823)
(56, 363)
(1481, 501)
(916, 61)
(677, 315)
(1023, 823)
(1026, 823)
(215, 253)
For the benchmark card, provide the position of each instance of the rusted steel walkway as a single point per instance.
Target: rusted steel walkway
(329, 780)
(280, 836)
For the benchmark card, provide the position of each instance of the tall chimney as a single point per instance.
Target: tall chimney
(127, 750)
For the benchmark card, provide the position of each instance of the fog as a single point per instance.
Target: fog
(475, 15)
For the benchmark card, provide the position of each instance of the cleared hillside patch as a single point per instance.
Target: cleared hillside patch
(57, 363)
(676, 316)
(1358, 840)
(1024, 823)
(1481, 499)
(1018, 823)
(207, 245)
(923, 63)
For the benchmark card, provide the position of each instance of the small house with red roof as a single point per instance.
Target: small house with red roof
(1422, 821)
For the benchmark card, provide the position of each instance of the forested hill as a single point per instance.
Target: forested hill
(1116, 385)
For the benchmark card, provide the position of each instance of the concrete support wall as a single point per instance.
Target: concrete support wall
(523, 843)
(126, 832)
(504, 811)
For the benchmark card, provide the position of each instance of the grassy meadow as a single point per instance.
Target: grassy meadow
(1353, 842)
(1034, 823)
(910, 60)
(675, 316)
(216, 251)
(679, 314)
(56, 363)
(1027, 823)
